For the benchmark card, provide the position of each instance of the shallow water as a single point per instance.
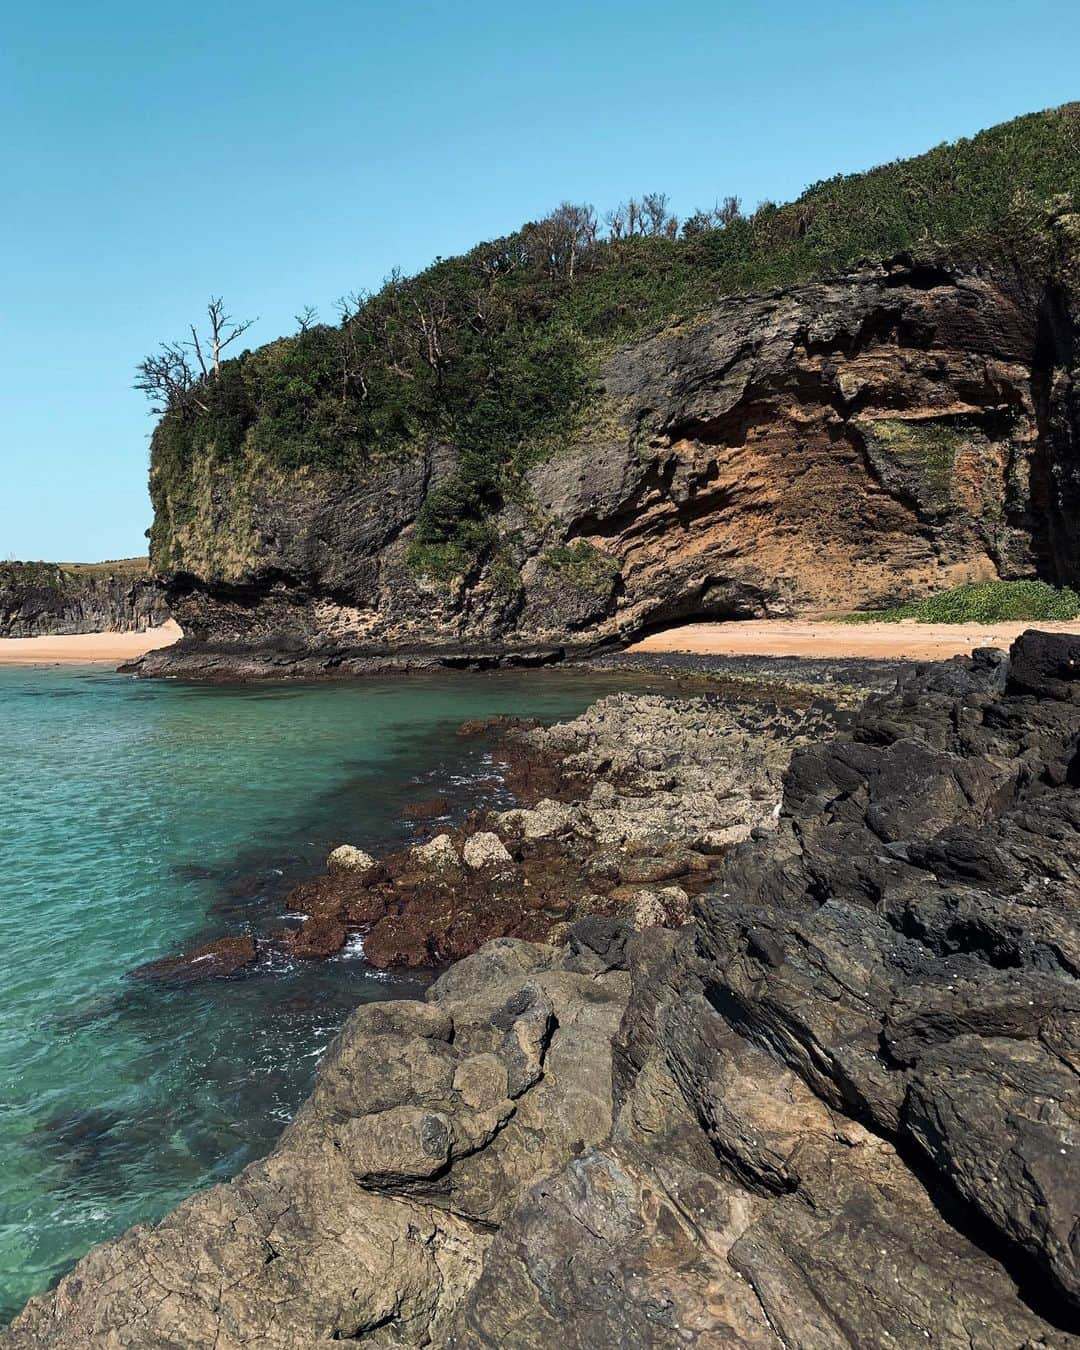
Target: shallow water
(137, 817)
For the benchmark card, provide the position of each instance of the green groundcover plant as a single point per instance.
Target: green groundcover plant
(984, 602)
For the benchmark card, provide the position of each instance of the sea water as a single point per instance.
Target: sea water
(138, 818)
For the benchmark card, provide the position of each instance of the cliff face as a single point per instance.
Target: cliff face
(853, 443)
(42, 598)
(838, 1108)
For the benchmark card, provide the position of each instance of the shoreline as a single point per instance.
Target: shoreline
(820, 641)
(549, 857)
(615, 1058)
(62, 649)
(907, 640)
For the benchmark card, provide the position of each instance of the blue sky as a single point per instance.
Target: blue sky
(284, 154)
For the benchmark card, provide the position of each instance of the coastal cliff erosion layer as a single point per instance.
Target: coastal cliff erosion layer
(838, 1108)
(44, 599)
(852, 443)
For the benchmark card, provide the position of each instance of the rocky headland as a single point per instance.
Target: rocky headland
(895, 431)
(837, 1107)
(560, 441)
(42, 599)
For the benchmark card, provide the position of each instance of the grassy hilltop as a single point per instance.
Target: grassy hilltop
(497, 351)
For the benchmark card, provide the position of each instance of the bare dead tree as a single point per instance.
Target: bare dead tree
(307, 318)
(717, 217)
(729, 209)
(349, 306)
(634, 219)
(434, 319)
(571, 231)
(223, 331)
(615, 220)
(168, 380)
(656, 220)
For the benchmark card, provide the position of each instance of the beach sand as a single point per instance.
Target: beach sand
(85, 648)
(815, 637)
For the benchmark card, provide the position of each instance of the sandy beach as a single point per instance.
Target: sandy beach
(85, 648)
(817, 637)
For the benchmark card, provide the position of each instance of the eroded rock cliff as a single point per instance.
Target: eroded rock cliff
(851, 443)
(837, 1109)
(43, 598)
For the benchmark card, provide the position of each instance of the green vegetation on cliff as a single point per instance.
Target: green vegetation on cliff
(985, 602)
(66, 576)
(498, 351)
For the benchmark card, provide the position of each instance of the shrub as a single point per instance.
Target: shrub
(985, 602)
(582, 565)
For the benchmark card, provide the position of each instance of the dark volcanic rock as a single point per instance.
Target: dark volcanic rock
(838, 1109)
(909, 942)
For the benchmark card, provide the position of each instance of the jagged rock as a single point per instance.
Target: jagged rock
(907, 942)
(349, 858)
(437, 855)
(839, 1108)
(486, 850)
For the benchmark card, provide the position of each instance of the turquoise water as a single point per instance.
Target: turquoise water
(136, 818)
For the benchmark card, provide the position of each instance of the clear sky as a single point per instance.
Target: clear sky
(283, 154)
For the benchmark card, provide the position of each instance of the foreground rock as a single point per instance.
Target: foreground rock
(888, 433)
(838, 1109)
(371, 1219)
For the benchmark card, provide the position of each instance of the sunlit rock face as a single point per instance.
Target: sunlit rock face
(859, 442)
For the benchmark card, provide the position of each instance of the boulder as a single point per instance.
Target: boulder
(486, 850)
(349, 858)
(437, 855)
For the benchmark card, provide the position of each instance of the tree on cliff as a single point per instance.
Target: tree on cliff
(223, 331)
(719, 216)
(169, 378)
(648, 218)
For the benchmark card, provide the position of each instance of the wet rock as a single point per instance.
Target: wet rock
(214, 960)
(317, 939)
(430, 808)
(349, 858)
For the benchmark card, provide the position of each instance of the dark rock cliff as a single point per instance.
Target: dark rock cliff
(850, 443)
(838, 1109)
(43, 598)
